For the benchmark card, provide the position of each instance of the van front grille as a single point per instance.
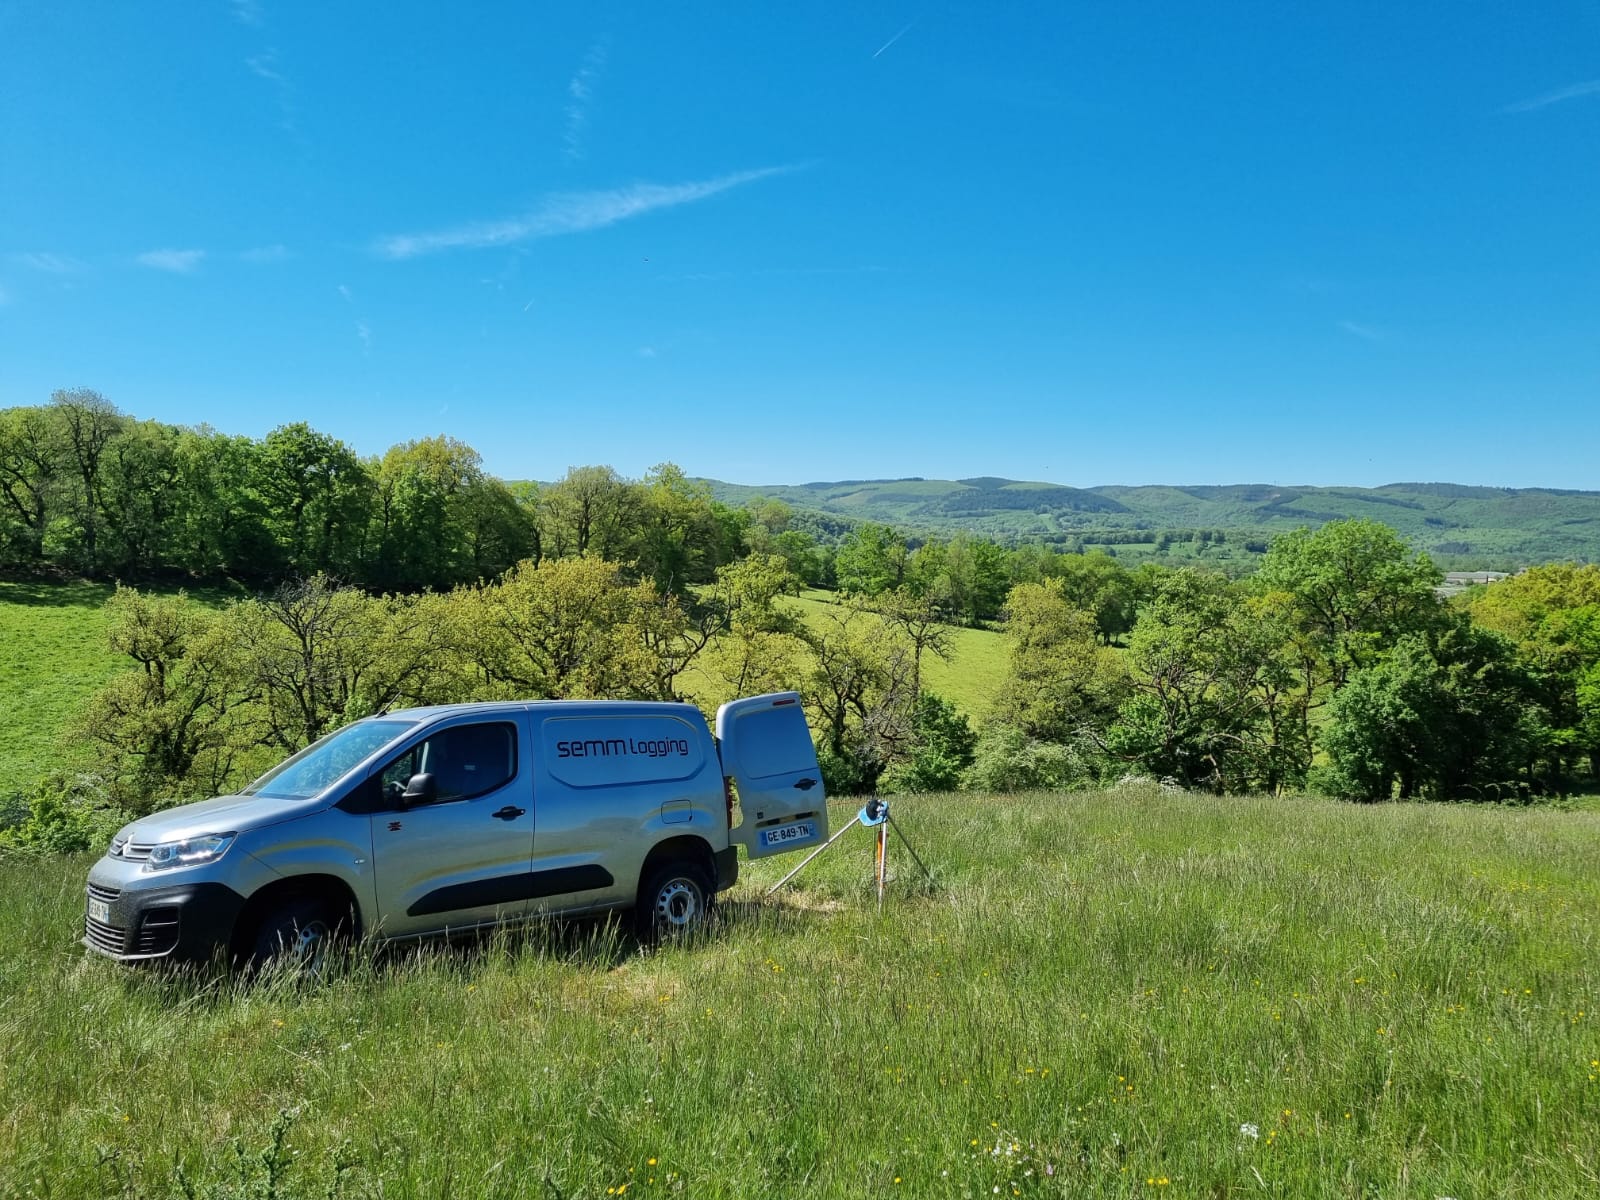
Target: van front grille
(97, 892)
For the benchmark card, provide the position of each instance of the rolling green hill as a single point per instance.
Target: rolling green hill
(1456, 523)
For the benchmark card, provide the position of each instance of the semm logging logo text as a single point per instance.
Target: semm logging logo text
(613, 747)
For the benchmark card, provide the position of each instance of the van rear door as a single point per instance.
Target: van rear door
(766, 749)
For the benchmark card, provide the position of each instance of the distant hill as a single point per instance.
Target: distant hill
(1462, 526)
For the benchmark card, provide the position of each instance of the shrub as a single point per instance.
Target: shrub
(66, 814)
(1008, 760)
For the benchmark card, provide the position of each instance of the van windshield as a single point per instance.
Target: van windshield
(323, 763)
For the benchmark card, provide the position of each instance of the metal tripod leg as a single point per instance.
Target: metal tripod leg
(890, 821)
(856, 820)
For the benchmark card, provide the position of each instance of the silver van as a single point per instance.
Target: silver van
(448, 819)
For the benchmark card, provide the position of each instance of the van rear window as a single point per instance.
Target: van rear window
(773, 741)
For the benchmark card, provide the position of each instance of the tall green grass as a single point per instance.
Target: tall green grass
(1127, 993)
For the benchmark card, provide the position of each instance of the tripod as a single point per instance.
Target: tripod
(874, 814)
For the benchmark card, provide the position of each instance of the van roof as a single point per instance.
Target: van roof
(644, 707)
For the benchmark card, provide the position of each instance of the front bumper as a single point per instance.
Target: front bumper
(186, 921)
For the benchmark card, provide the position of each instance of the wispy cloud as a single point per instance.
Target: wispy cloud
(580, 90)
(180, 262)
(1364, 332)
(647, 351)
(364, 333)
(570, 212)
(1589, 87)
(50, 264)
(266, 66)
(909, 25)
(265, 254)
(246, 12)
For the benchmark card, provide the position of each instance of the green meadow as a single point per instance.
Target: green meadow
(1127, 993)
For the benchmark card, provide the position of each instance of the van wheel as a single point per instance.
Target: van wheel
(676, 897)
(298, 933)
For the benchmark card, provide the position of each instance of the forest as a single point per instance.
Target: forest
(359, 585)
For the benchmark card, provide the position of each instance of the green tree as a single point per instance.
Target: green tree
(942, 746)
(317, 496)
(88, 423)
(1444, 715)
(871, 560)
(1211, 691)
(32, 467)
(1061, 683)
(1357, 587)
(858, 691)
(176, 726)
(591, 510)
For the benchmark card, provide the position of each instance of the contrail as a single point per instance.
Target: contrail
(899, 35)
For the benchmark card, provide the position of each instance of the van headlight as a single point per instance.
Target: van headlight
(190, 852)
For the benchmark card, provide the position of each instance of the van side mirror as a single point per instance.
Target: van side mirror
(422, 788)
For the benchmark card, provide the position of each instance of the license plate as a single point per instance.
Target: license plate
(797, 832)
(100, 911)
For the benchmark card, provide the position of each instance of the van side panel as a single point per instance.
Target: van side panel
(610, 782)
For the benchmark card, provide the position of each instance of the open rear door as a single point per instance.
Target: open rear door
(767, 749)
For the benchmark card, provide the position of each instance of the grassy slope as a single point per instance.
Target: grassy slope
(1399, 1000)
(53, 655)
(970, 678)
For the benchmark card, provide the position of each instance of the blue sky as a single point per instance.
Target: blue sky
(1118, 243)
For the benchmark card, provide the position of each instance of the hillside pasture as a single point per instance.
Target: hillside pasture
(53, 655)
(1132, 993)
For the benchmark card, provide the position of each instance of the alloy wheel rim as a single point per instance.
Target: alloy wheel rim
(678, 904)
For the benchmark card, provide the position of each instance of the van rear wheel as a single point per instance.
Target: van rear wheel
(675, 898)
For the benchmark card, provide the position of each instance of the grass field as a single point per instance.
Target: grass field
(53, 655)
(970, 678)
(1133, 993)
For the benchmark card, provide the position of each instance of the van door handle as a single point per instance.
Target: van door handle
(805, 785)
(508, 813)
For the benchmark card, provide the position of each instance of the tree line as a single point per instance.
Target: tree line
(1336, 667)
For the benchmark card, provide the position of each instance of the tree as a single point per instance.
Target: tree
(591, 510)
(1209, 687)
(568, 628)
(917, 616)
(88, 422)
(871, 560)
(1060, 682)
(139, 495)
(1551, 614)
(319, 655)
(1357, 588)
(32, 462)
(679, 540)
(942, 746)
(317, 495)
(859, 690)
(176, 726)
(1443, 715)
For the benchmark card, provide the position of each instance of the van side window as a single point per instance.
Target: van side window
(464, 760)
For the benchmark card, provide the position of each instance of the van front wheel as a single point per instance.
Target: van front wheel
(298, 933)
(676, 897)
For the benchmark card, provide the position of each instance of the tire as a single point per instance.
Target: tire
(299, 934)
(675, 899)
